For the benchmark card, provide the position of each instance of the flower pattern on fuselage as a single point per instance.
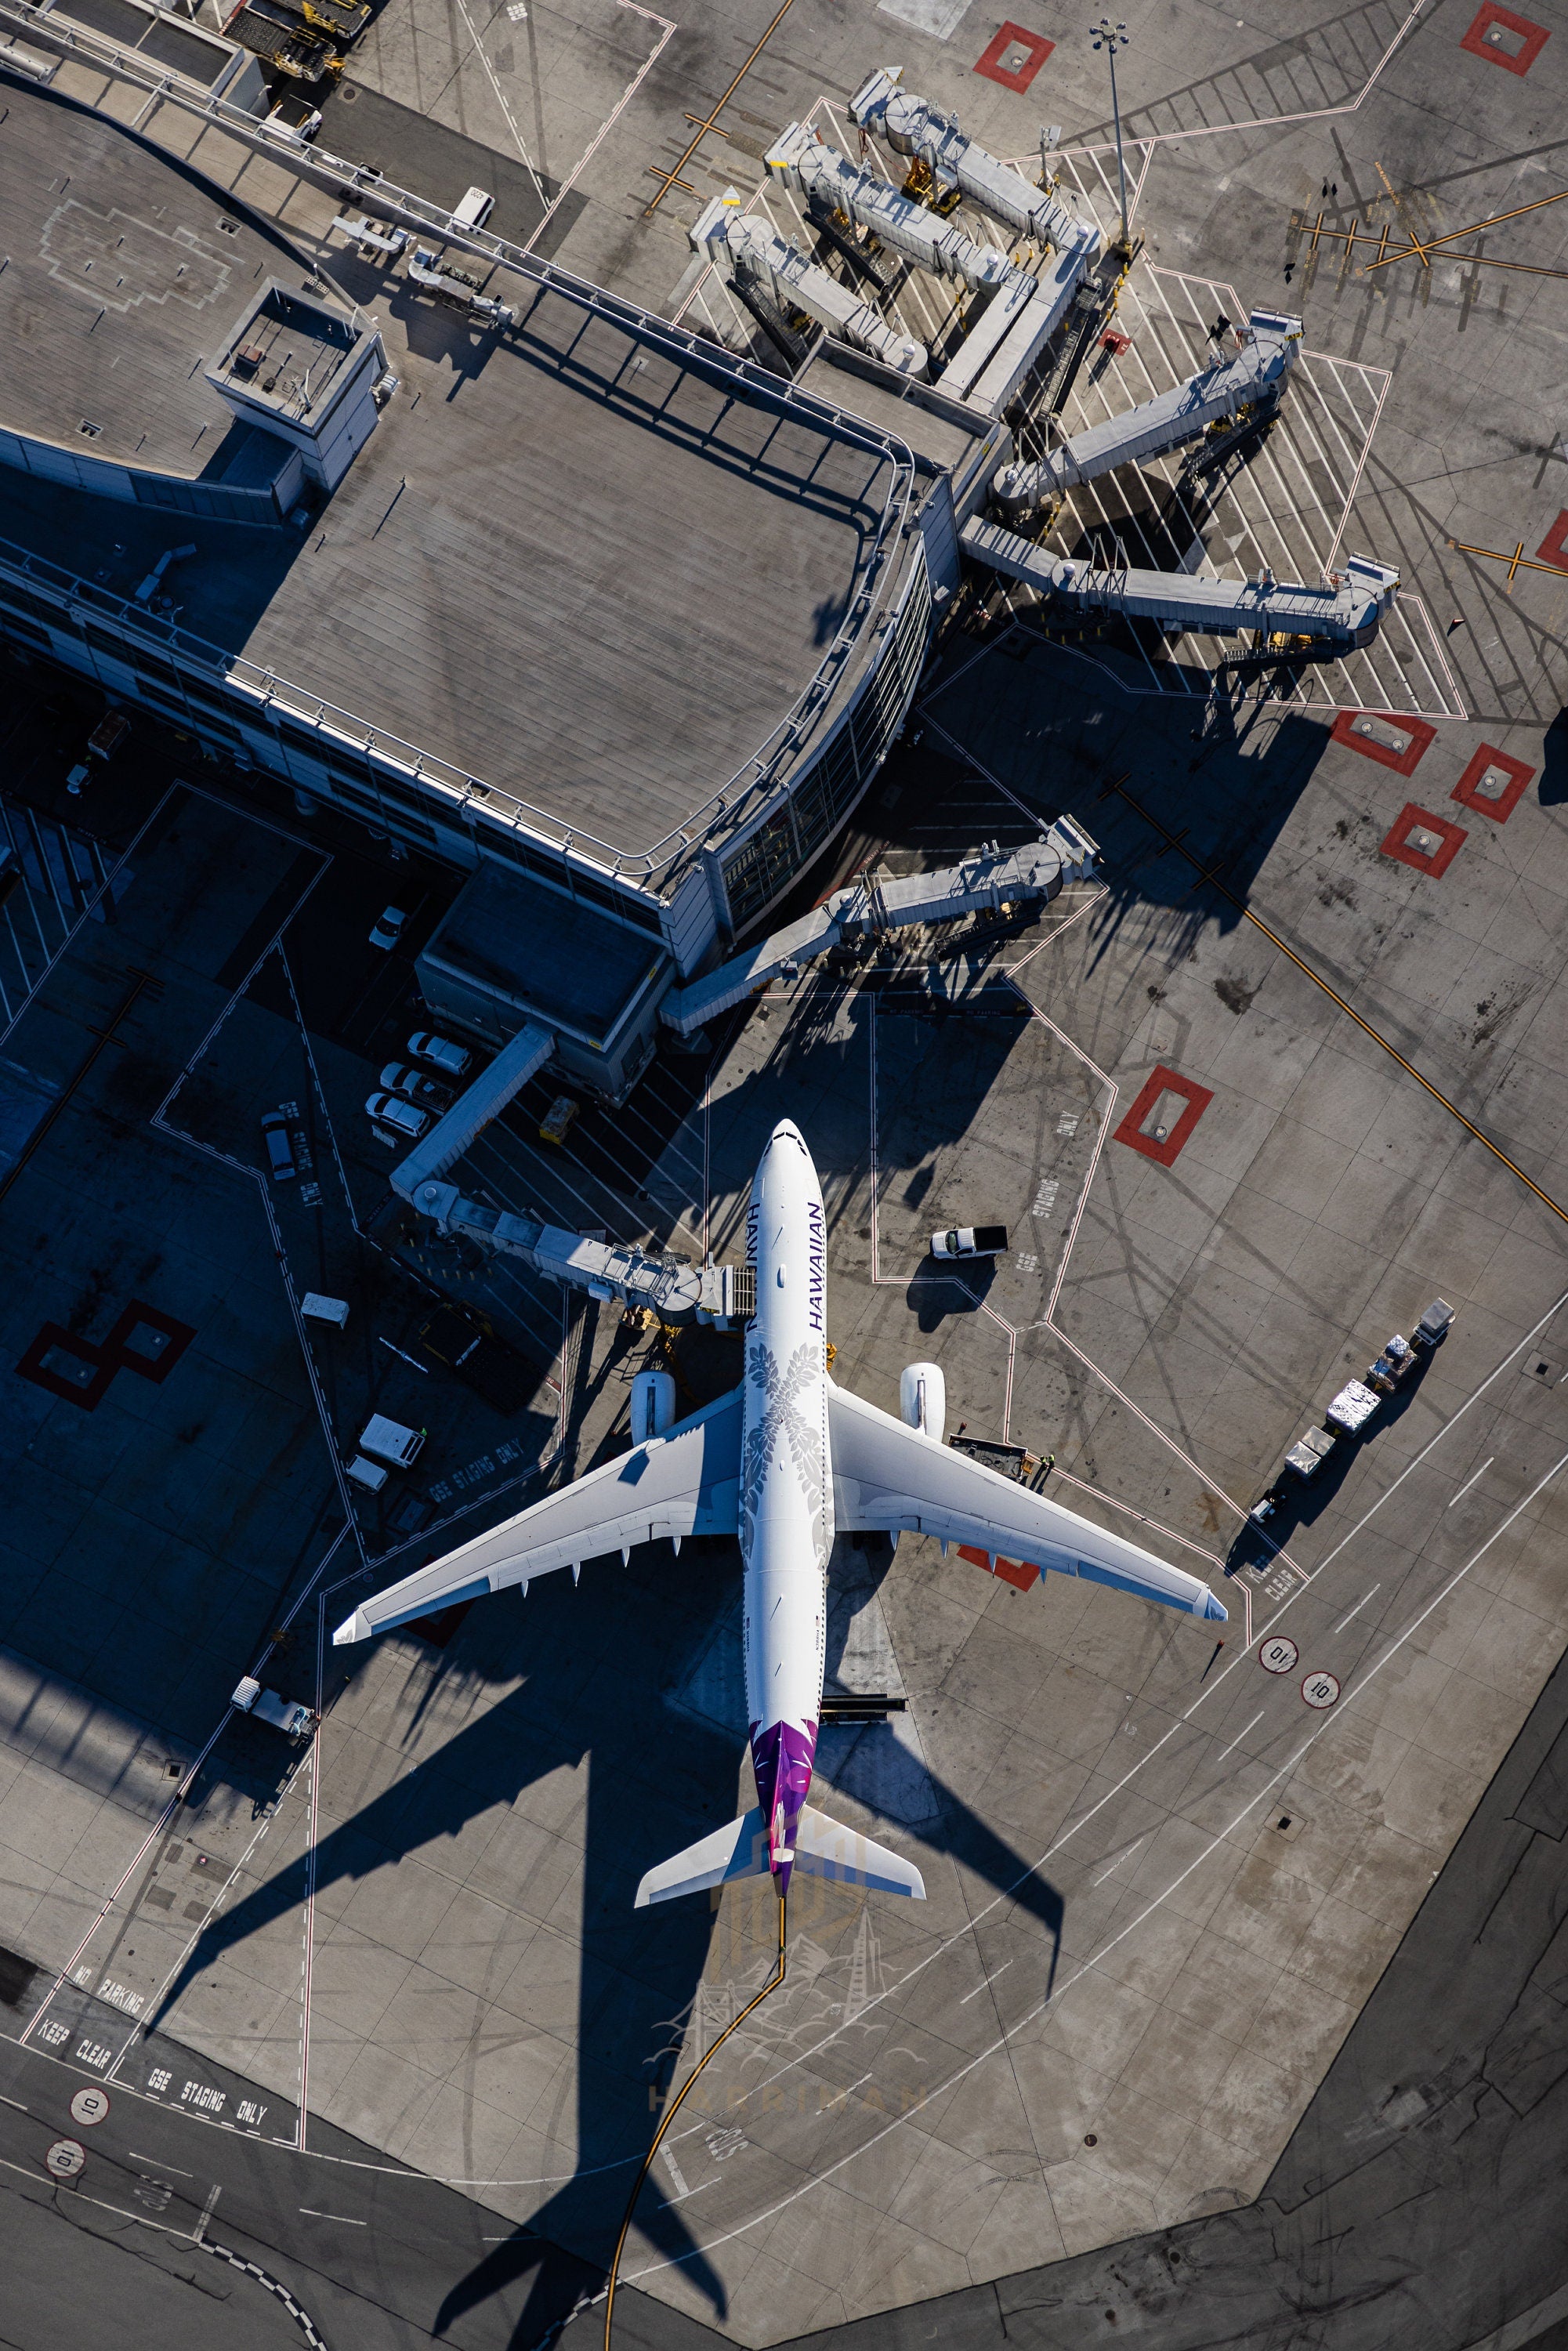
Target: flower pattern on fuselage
(781, 1420)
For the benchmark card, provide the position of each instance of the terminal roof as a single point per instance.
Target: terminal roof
(565, 563)
(120, 285)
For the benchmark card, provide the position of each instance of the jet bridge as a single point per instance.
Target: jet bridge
(757, 252)
(1017, 312)
(1255, 378)
(871, 906)
(1346, 612)
(913, 126)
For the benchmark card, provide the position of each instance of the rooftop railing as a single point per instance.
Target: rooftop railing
(756, 783)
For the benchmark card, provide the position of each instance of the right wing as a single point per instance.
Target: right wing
(890, 1477)
(686, 1482)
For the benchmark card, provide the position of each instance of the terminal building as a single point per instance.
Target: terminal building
(511, 570)
(528, 580)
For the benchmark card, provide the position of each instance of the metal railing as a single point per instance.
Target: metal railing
(764, 773)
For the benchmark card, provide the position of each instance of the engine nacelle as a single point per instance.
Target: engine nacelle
(922, 1399)
(653, 1405)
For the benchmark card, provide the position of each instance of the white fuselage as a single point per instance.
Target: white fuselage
(786, 1483)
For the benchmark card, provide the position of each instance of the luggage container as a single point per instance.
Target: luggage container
(1353, 1407)
(317, 1307)
(390, 1441)
(1308, 1453)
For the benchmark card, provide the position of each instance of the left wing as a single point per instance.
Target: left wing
(686, 1482)
(890, 1477)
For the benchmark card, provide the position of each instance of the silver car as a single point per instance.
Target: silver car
(398, 1115)
(440, 1052)
(399, 1079)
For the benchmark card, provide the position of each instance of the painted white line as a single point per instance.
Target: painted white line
(770, 2211)
(1240, 1736)
(158, 2159)
(1480, 1473)
(201, 2228)
(21, 2109)
(979, 1988)
(1449, 1425)
(627, 95)
(1357, 1609)
(341, 2218)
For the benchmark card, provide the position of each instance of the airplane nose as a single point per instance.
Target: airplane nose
(787, 1131)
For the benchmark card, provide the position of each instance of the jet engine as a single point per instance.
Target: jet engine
(922, 1399)
(653, 1405)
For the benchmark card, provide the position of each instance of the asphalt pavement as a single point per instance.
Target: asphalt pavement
(1417, 2206)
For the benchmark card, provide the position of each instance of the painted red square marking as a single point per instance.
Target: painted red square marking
(1493, 784)
(1553, 548)
(1131, 1131)
(1010, 1570)
(1493, 20)
(1449, 837)
(1353, 727)
(1037, 48)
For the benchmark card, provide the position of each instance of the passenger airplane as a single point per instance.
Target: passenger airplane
(784, 1461)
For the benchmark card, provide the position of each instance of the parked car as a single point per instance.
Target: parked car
(970, 1240)
(556, 1124)
(440, 1052)
(279, 1146)
(399, 1079)
(398, 1115)
(108, 735)
(387, 929)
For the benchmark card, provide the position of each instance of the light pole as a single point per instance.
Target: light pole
(1111, 38)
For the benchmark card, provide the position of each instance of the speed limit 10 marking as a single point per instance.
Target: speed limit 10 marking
(90, 2105)
(66, 2158)
(1277, 1655)
(1319, 1690)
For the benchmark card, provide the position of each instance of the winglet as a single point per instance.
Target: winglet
(356, 1627)
(1216, 1611)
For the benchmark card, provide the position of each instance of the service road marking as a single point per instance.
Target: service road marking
(1320, 1691)
(1362, 1601)
(66, 2158)
(90, 2105)
(1277, 1655)
(1252, 1725)
(1480, 1473)
(342, 2218)
(989, 1980)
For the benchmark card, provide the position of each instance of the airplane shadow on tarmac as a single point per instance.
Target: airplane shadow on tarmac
(596, 1661)
(597, 1673)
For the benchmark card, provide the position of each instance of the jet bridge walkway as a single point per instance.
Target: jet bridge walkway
(1344, 613)
(871, 905)
(1255, 379)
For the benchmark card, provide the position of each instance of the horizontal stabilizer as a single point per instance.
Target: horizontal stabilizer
(825, 1848)
(738, 1850)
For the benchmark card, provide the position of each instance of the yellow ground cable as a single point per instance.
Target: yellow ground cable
(671, 2111)
(1172, 840)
